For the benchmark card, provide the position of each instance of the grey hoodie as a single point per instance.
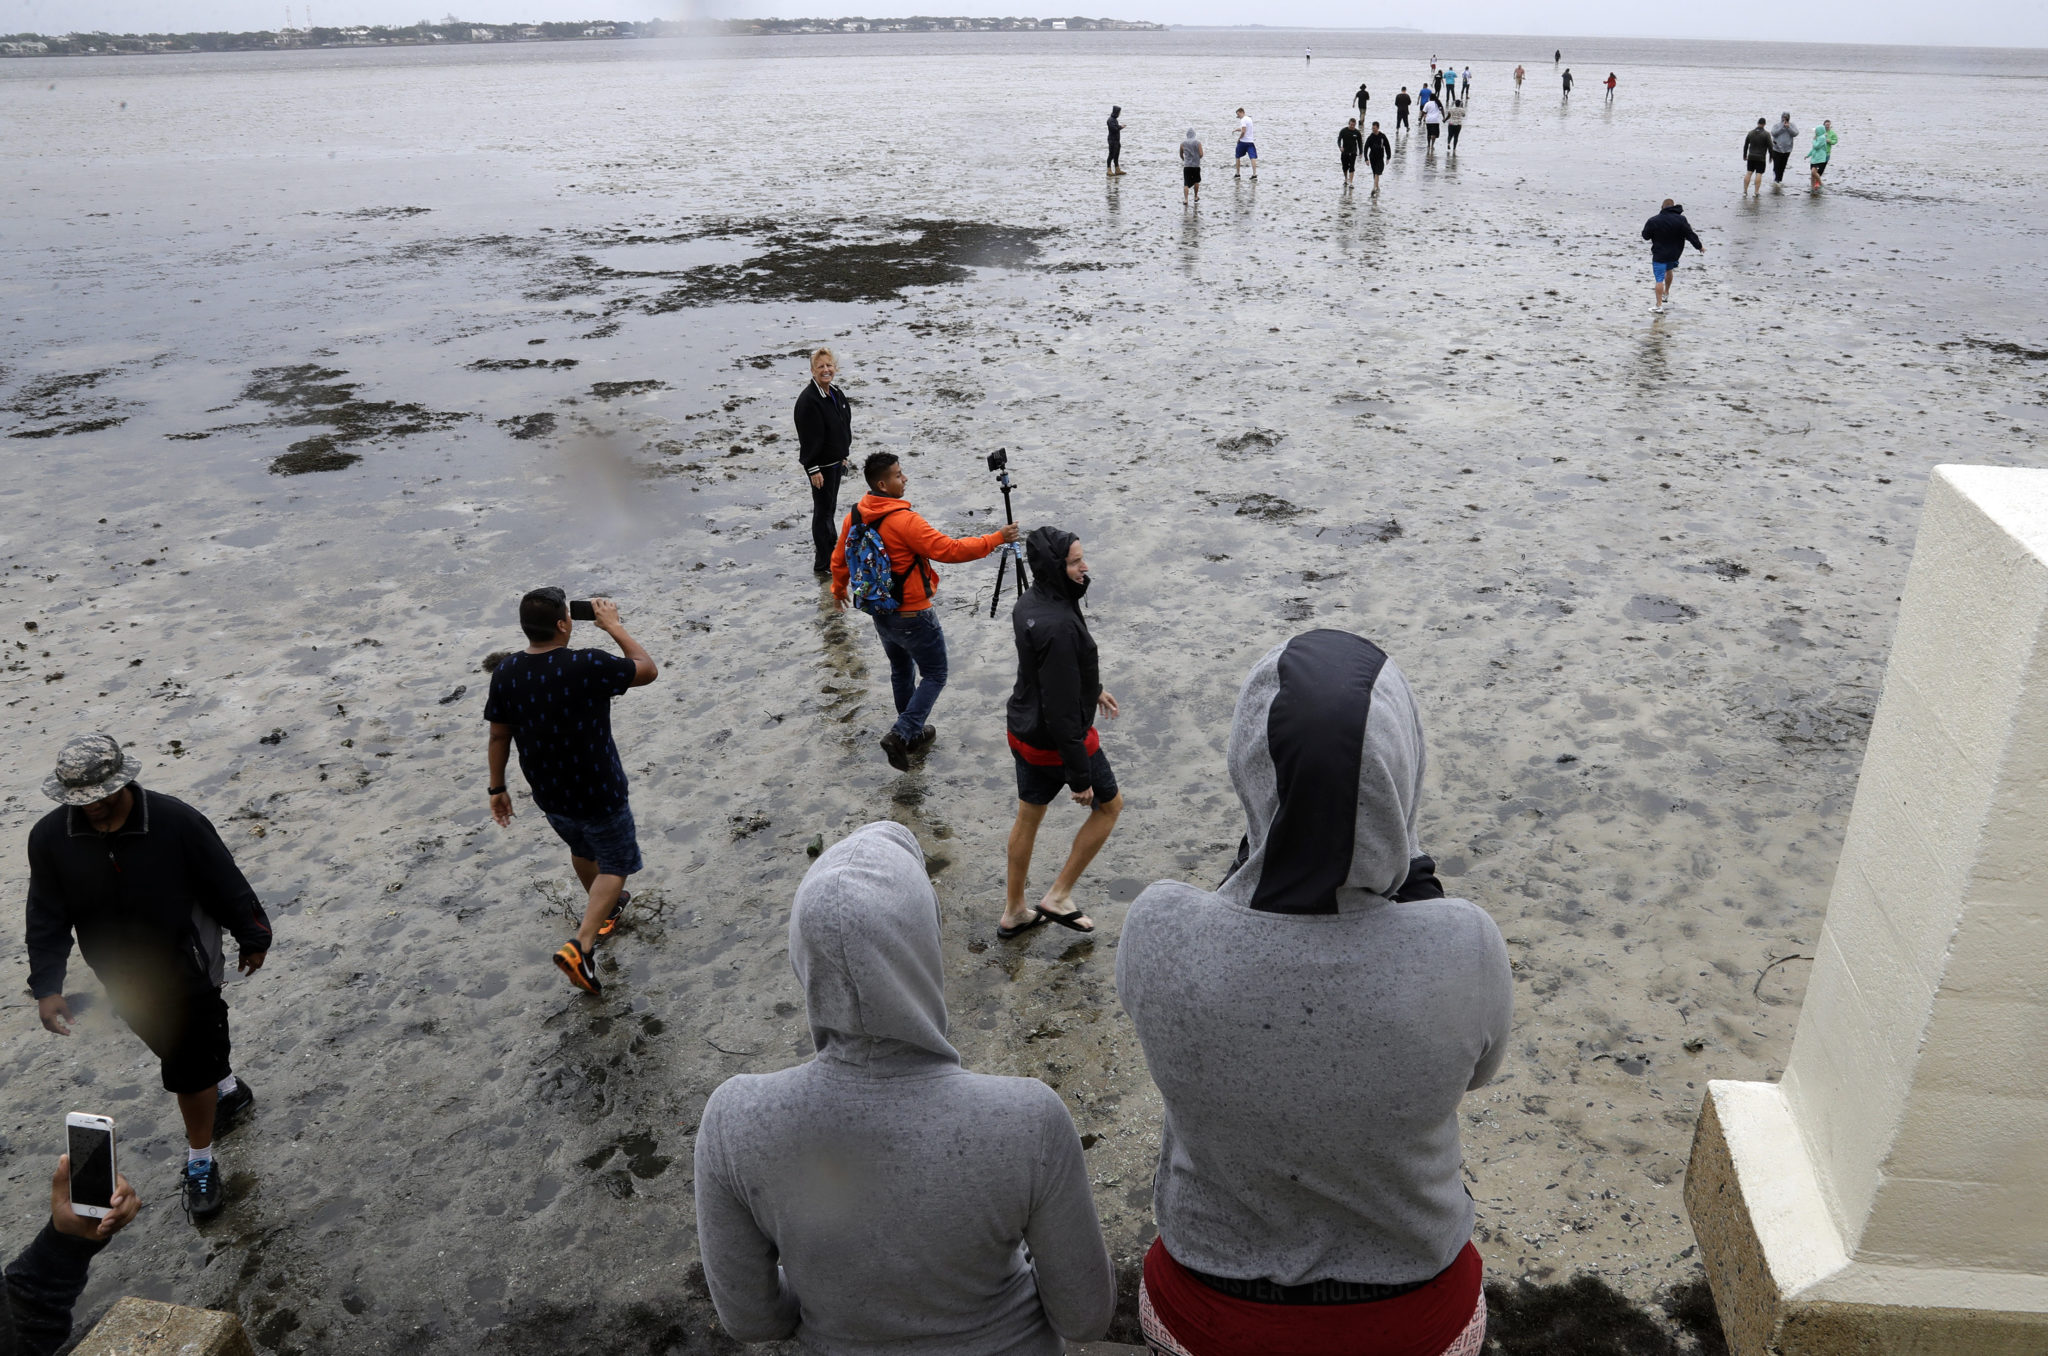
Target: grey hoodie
(897, 1191)
(1784, 137)
(1311, 1036)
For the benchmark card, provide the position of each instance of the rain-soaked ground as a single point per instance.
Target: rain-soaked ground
(314, 362)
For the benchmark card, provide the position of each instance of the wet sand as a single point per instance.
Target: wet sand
(542, 314)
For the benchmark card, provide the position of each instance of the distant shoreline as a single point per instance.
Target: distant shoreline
(587, 30)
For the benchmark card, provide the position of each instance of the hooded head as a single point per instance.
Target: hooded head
(1191, 134)
(1115, 109)
(1326, 753)
(1046, 551)
(864, 941)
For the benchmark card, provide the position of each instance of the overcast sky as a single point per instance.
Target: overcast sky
(1990, 23)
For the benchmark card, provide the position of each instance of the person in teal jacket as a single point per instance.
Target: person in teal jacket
(1824, 140)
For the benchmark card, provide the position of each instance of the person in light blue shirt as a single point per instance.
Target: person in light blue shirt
(1824, 140)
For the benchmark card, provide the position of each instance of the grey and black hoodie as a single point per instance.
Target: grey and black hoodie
(1059, 674)
(1312, 1023)
(880, 1198)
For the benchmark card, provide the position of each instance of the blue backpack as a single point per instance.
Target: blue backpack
(873, 586)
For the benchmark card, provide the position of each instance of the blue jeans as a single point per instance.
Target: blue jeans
(917, 666)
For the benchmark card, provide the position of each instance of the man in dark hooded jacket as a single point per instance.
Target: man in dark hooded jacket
(1312, 1025)
(1052, 729)
(1667, 233)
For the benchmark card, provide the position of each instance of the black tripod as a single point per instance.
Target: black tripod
(999, 462)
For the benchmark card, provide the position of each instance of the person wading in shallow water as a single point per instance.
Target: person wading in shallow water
(1668, 233)
(1116, 140)
(1190, 167)
(555, 703)
(1052, 730)
(1377, 149)
(1348, 146)
(1401, 103)
(824, 441)
(1755, 147)
(146, 884)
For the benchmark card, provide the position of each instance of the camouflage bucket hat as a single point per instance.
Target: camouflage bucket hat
(89, 768)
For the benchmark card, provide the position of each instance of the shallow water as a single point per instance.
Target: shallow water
(1641, 570)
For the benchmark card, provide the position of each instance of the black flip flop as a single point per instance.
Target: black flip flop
(1066, 920)
(1038, 916)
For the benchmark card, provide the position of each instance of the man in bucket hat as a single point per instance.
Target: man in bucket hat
(146, 884)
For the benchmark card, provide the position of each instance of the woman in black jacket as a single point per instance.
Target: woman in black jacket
(824, 443)
(1052, 730)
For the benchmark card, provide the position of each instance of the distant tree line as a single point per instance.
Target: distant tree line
(458, 31)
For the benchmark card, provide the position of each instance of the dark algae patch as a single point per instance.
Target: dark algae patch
(529, 425)
(844, 261)
(62, 404)
(1588, 1317)
(518, 364)
(313, 454)
(307, 395)
(612, 390)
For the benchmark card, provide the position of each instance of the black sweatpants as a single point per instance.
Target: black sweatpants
(825, 512)
(1778, 159)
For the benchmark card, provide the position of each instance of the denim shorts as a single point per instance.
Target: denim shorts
(609, 841)
(1041, 785)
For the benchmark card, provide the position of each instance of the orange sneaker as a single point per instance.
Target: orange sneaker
(571, 961)
(618, 911)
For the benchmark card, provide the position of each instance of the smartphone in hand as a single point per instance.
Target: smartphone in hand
(90, 1141)
(581, 610)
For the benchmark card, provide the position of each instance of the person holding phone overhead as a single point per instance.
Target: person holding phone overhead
(556, 704)
(146, 885)
(824, 442)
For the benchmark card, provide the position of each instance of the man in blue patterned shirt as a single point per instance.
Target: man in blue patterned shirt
(555, 703)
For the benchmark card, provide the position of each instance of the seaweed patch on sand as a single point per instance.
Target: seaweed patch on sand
(63, 404)
(307, 395)
(1588, 1317)
(847, 261)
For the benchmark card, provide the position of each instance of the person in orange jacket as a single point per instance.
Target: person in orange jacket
(910, 635)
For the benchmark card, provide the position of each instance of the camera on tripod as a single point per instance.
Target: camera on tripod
(999, 462)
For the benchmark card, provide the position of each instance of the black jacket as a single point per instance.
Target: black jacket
(1757, 144)
(147, 903)
(824, 428)
(1377, 147)
(1058, 674)
(1348, 141)
(42, 1286)
(1667, 233)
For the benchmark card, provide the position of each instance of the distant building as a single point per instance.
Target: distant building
(1058, 23)
(482, 35)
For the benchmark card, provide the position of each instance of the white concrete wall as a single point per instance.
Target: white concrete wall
(1919, 1074)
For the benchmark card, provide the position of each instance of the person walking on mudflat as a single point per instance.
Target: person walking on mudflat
(1377, 149)
(145, 883)
(1567, 82)
(1824, 140)
(1401, 103)
(1784, 141)
(1668, 233)
(555, 704)
(1361, 100)
(1755, 147)
(905, 623)
(1246, 147)
(1116, 140)
(824, 441)
(1052, 734)
(1348, 144)
(1190, 167)
(1454, 123)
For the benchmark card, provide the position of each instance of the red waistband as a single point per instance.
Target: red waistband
(1038, 757)
(1207, 1322)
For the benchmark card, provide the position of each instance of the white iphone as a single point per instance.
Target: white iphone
(90, 1141)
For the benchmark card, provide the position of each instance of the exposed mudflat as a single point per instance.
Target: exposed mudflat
(503, 318)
